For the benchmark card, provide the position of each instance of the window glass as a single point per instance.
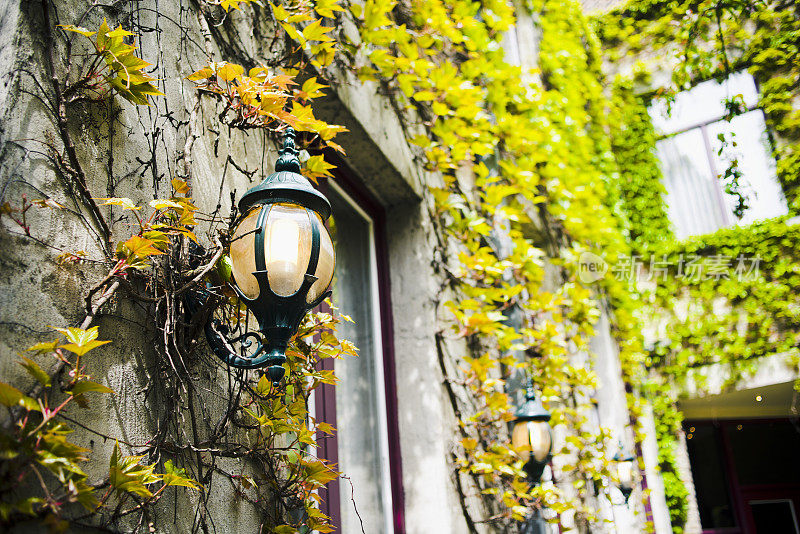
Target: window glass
(755, 161)
(694, 201)
(360, 408)
(709, 477)
(691, 162)
(702, 103)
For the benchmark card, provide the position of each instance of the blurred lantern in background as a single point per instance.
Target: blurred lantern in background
(532, 434)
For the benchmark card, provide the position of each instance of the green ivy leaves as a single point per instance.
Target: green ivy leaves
(123, 70)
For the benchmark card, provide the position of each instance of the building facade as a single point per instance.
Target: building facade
(417, 438)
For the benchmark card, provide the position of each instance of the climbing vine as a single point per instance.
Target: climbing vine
(714, 39)
(536, 200)
(534, 152)
(152, 255)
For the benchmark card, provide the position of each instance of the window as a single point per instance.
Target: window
(690, 161)
(365, 445)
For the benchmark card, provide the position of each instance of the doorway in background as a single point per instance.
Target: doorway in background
(746, 474)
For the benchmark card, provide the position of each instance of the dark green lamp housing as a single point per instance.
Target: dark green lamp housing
(282, 261)
(532, 434)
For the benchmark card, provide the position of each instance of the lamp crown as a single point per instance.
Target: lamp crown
(286, 184)
(532, 409)
(287, 156)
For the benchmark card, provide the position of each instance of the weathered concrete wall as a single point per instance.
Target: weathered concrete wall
(126, 151)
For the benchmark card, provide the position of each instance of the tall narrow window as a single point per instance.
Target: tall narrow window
(691, 159)
(366, 496)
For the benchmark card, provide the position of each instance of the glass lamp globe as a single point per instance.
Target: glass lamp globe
(534, 438)
(286, 251)
(625, 475)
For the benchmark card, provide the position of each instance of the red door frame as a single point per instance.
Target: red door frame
(325, 402)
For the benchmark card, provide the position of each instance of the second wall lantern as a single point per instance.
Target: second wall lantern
(532, 434)
(624, 462)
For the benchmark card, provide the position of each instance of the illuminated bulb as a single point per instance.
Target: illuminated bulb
(625, 472)
(534, 438)
(758, 398)
(284, 236)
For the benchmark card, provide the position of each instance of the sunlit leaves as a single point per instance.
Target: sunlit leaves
(37, 442)
(87, 386)
(227, 5)
(47, 203)
(318, 472)
(45, 347)
(180, 186)
(128, 474)
(78, 29)
(260, 99)
(160, 204)
(124, 71)
(229, 71)
(136, 251)
(317, 167)
(327, 8)
(703, 321)
(281, 421)
(9, 395)
(80, 341)
(302, 26)
(476, 107)
(124, 203)
(176, 476)
(311, 89)
(317, 32)
(63, 458)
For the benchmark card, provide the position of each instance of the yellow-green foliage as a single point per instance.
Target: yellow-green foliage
(558, 165)
(713, 38)
(41, 469)
(709, 40)
(547, 130)
(639, 187)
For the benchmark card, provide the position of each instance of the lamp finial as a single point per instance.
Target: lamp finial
(287, 156)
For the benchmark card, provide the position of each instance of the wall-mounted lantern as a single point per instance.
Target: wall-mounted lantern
(624, 464)
(532, 434)
(282, 261)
